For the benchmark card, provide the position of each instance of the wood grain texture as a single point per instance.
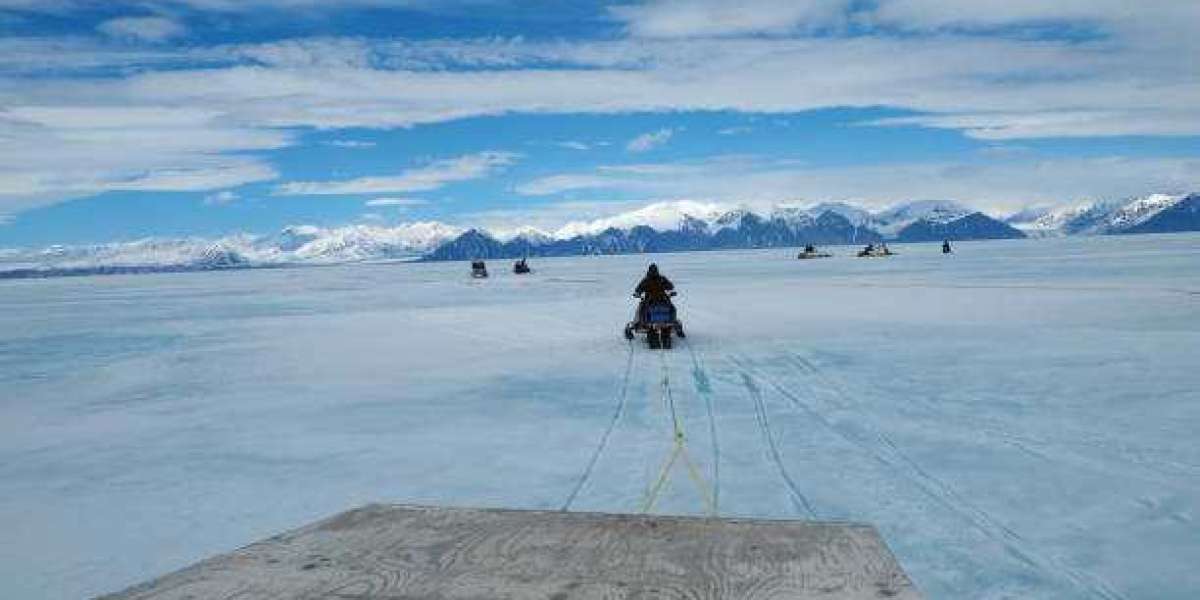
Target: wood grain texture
(384, 552)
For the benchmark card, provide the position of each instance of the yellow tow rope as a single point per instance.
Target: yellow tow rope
(678, 450)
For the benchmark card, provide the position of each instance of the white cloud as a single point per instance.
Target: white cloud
(1067, 123)
(734, 130)
(421, 179)
(650, 141)
(311, 53)
(557, 184)
(201, 116)
(573, 145)
(395, 202)
(931, 14)
(35, 5)
(943, 75)
(995, 80)
(53, 6)
(54, 152)
(350, 144)
(994, 186)
(25, 55)
(198, 178)
(221, 198)
(146, 29)
(695, 18)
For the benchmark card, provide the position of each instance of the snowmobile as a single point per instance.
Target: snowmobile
(946, 249)
(521, 267)
(657, 320)
(873, 251)
(478, 269)
(810, 251)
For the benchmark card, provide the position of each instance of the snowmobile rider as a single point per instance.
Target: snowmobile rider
(654, 288)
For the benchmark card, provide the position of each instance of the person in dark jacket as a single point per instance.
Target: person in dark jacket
(654, 288)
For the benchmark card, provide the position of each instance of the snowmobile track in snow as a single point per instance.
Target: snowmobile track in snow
(880, 447)
(622, 401)
(703, 386)
(1160, 472)
(799, 500)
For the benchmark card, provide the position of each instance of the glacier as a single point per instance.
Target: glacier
(1019, 419)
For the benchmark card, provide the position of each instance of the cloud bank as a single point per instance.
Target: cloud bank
(421, 179)
(201, 117)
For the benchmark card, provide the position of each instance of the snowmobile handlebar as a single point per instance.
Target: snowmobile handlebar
(671, 294)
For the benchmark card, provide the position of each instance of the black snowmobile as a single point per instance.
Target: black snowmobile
(810, 251)
(658, 321)
(478, 269)
(946, 249)
(874, 251)
(521, 267)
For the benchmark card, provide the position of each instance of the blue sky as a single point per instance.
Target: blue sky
(206, 117)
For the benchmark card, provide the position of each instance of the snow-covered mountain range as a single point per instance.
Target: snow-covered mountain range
(685, 225)
(712, 217)
(291, 246)
(659, 227)
(1153, 213)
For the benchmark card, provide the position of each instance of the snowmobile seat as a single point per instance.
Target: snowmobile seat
(659, 312)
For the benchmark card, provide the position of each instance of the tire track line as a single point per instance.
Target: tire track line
(799, 500)
(622, 402)
(1162, 472)
(881, 447)
(704, 387)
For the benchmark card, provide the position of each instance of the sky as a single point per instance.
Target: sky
(121, 120)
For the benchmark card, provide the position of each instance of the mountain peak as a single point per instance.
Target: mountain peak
(662, 216)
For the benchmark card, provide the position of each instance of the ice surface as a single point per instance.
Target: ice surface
(1019, 419)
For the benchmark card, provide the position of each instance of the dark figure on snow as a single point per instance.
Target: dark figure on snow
(810, 249)
(946, 247)
(654, 288)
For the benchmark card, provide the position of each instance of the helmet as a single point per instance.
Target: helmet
(653, 270)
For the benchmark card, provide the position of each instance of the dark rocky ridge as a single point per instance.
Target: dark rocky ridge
(734, 230)
(739, 229)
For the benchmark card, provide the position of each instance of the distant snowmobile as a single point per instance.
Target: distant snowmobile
(946, 249)
(521, 267)
(810, 251)
(875, 251)
(478, 269)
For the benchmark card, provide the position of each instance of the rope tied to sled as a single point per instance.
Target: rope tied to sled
(678, 450)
